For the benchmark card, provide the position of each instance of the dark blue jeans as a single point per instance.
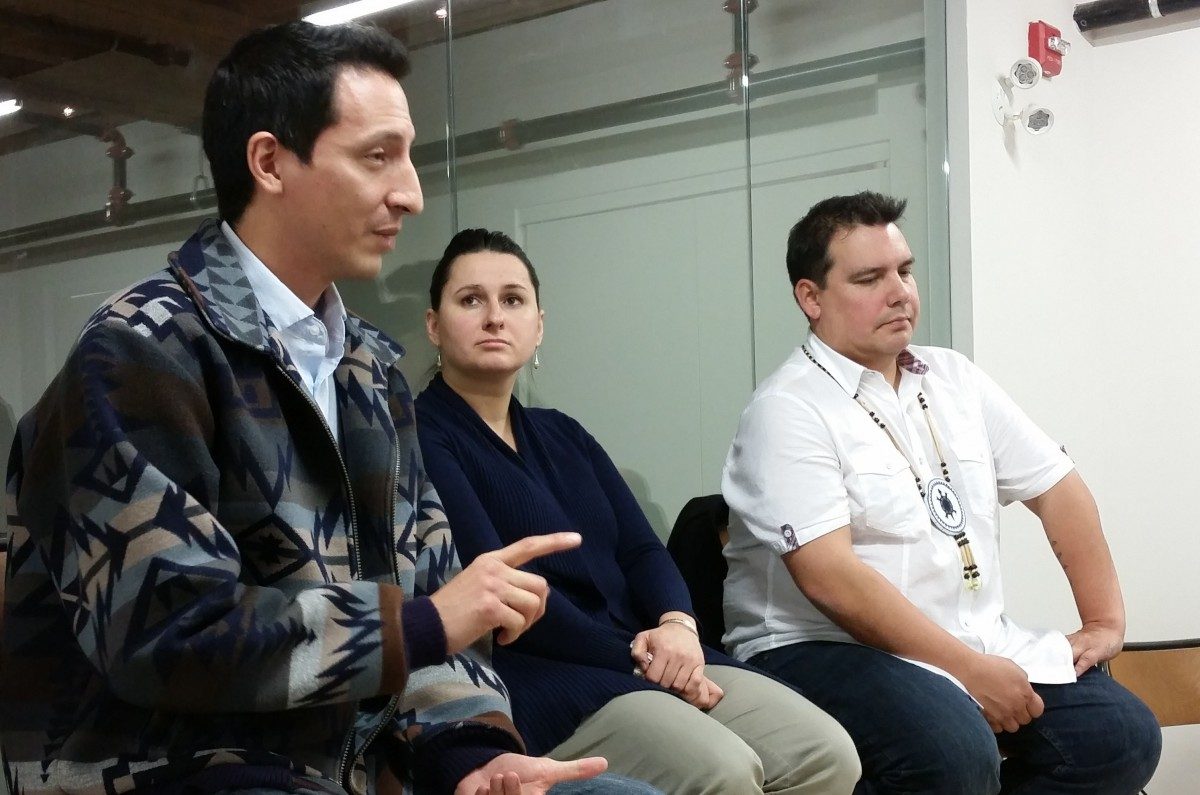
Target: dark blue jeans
(606, 784)
(916, 732)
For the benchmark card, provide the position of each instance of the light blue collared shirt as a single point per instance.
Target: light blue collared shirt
(315, 343)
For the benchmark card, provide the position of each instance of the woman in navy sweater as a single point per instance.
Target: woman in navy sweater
(615, 667)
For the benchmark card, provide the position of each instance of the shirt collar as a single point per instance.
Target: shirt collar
(280, 303)
(911, 362)
(849, 373)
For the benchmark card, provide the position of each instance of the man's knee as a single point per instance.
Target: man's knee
(1122, 752)
(963, 760)
(1145, 747)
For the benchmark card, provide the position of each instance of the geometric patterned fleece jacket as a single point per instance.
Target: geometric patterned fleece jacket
(204, 586)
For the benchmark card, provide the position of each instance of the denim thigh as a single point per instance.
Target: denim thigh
(606, 784)
(1094, 736)
(915, 731)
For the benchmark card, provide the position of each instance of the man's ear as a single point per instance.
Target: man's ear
(808, 298)
(263, 155)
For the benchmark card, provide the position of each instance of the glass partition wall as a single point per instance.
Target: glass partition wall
(649, 156)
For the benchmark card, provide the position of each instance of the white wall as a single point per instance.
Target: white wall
(1083, 279)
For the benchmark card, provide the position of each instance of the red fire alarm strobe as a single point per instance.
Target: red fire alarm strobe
(1046, 46)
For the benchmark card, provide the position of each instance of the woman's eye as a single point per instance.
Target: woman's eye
(470, 300)
(514, 300)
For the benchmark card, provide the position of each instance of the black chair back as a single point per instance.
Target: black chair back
(695, 544)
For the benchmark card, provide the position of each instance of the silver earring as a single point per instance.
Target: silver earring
(439, 360)
(536, 361)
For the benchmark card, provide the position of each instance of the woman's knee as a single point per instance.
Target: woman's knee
(838, 762)
(732, 767)
(657, 738)
(822, 759)
(803, 749)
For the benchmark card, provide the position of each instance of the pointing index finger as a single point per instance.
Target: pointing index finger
(521, 552)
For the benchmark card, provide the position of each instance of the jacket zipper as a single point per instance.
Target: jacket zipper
(348, 743)
(394, 702)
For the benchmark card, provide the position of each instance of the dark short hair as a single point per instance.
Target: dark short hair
(808, 242)
(473, 241)
(281, 79)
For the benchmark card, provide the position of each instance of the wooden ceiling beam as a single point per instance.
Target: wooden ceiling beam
(45, 40)
(70, 52)
(113, 84)
(207, 27)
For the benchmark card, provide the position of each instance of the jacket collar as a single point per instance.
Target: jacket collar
(209, 269)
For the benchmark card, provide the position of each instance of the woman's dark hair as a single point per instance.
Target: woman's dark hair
(808, 242)
(473, 241)
(281, 80)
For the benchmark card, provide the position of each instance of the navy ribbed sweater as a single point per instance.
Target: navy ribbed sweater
(576, 658)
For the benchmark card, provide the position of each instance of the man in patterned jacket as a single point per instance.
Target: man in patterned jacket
(227, 568)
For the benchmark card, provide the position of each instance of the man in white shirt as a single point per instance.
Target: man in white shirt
(865, 481)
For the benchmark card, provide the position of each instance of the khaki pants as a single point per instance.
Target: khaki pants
(762, 737)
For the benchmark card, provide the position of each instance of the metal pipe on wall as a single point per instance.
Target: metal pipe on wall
(1106, 13)
(515, 133)
(119, 194)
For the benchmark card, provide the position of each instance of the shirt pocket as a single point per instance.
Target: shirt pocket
(977, 476)
(883, 494)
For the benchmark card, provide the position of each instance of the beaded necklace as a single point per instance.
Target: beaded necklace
(941, 501)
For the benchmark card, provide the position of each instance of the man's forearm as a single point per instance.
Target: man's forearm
(864, 603)
(1072, 524)
(873, 611)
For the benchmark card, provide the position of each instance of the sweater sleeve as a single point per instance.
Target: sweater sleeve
(653, 577)
(565, 632)
(111, 501)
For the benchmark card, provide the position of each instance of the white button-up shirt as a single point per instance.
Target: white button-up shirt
(315, 343)
(808, 459)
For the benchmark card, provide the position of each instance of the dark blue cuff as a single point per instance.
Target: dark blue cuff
(424, 635)
(447, 758)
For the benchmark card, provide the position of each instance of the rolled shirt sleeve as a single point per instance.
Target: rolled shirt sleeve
(783, 476)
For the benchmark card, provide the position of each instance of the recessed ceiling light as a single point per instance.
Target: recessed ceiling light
(9, 106)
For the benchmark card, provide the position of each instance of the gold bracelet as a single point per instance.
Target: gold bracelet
(683, 622)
